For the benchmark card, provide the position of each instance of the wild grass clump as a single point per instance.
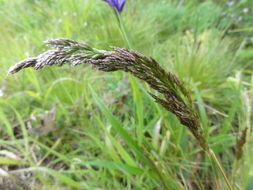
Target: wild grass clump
(85, 129)
(200, 60)
(176, 99)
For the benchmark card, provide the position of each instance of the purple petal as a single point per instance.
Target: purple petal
(109, 1)
(118, 4)
(121, 4)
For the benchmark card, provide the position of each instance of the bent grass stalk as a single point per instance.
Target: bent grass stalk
(176, 98)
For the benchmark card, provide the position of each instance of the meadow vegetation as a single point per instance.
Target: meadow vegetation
(78, 128)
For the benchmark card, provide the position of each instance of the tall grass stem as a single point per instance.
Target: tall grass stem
(123, 29)
(216, 161)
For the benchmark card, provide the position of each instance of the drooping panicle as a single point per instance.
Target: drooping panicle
(176, 98)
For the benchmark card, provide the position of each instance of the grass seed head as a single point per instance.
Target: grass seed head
(240, 142)
(176, 98)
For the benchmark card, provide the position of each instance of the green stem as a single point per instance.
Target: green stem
(221, 170)
(124, 33)
(123, 29)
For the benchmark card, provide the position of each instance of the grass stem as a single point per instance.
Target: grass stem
(123, 29)
(216, 161)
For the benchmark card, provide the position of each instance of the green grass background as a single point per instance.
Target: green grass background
(77, 128)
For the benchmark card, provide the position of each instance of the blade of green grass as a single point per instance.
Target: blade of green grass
(139, 109)
(120, 150)
(117, 126)
(8, 161)
(58, 175)
(112, 165)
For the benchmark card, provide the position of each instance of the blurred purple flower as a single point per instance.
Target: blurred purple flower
(117, 4)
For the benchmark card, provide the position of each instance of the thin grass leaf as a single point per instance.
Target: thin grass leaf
(8, 161)
(139, 109)
(57, 175)
(202, 112)
(7, 125)
(115, 166)
(51, 150)
(119, 128)
(120, 149)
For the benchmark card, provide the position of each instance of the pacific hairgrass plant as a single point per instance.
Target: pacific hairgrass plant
(56, 132)
(176, 99)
